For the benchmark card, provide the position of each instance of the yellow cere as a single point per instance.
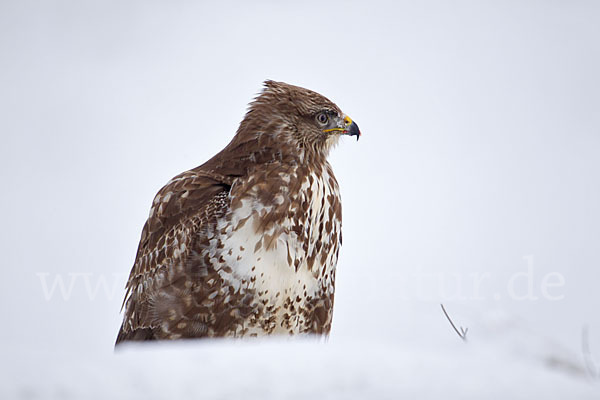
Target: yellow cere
(347, 121)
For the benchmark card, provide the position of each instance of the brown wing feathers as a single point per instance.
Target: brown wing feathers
(177, 212)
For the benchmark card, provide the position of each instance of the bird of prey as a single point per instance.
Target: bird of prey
(247, 243)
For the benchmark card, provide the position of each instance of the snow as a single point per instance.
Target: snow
(501, 359)
(475, 184)
(295, 369)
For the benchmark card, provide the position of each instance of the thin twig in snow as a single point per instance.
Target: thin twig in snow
(590, 365)
(463, 331)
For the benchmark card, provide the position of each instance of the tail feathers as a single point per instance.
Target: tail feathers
(135, 335)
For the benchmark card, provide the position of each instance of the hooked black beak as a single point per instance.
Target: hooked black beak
(353, 130)
(349, 128)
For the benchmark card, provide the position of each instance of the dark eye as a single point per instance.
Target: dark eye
(322, 118)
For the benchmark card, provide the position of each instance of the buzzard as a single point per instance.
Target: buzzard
(247, 243)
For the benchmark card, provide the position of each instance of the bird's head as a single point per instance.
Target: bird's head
(297, 116)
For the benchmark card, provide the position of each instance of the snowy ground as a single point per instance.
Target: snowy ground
(475, 184)
(502, 359)
(300, 369)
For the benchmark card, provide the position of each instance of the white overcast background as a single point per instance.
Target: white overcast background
(476, 184)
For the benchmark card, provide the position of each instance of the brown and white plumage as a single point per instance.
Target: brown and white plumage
(247, 243)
